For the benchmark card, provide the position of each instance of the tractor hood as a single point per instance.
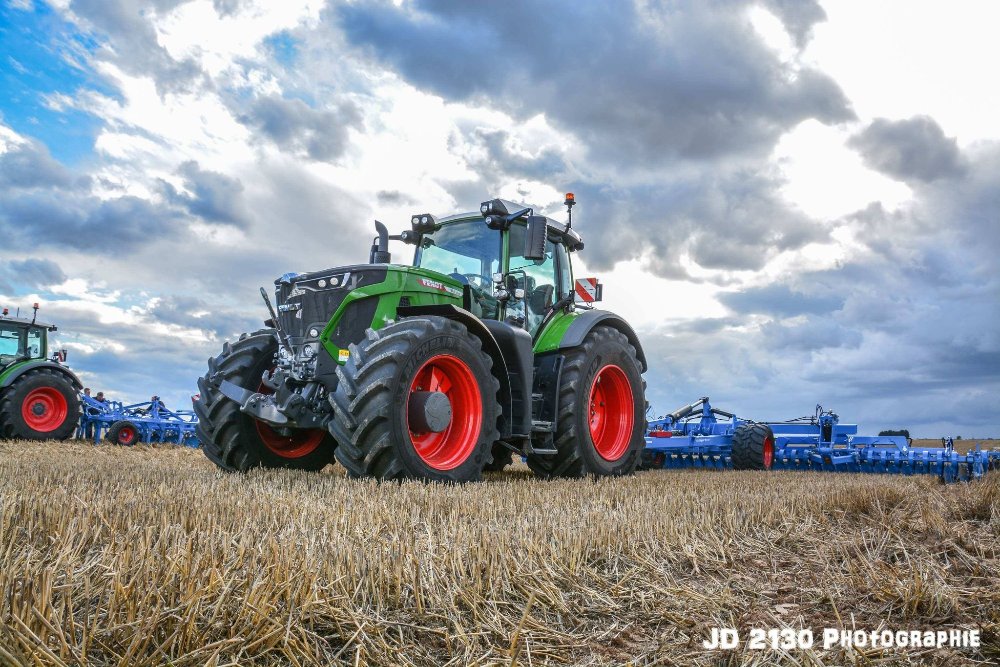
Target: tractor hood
(344, 301)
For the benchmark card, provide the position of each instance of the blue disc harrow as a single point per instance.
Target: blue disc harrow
(700, 436)
(139, 422)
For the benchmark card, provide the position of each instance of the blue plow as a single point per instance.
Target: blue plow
(700, 436)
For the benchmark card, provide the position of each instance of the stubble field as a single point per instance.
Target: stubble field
(149, 556)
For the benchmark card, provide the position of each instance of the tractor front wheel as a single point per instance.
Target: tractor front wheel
(236, 441)
(42, 404)
(753, 447)
(602, 410)
(416, 399)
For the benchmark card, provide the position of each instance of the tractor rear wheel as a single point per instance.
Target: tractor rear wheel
(602, 410)
(42, 404)
(236, 441)
(416, 399)
(124, 433)
(753, 447)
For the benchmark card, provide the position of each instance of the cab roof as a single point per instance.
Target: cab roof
(26, 322)
(575, 242)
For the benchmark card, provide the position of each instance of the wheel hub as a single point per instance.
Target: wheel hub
(429, 411)
(44, 409)
(444, 412)
(611, 413)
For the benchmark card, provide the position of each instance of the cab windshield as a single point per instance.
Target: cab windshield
(468, 252)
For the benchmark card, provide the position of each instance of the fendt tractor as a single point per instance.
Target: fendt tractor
(39, 397)
(439, 370)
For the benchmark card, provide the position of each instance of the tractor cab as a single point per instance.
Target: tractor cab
(516, 265)
(22, 339)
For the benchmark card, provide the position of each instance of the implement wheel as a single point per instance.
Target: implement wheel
(236, 441)
(753, 447)
(416, 399)
(602, 410)
(124, 433)
(42, 404)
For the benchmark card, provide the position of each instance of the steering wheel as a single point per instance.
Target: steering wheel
(473, 280)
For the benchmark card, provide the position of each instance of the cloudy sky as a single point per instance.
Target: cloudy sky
(794, 202)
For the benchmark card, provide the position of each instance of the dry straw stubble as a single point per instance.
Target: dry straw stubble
(149, 556)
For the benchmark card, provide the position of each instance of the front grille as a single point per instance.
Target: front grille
(310, 299)
(356, 319)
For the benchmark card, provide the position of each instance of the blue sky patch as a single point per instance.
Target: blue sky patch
(42, 55)
(283, 47)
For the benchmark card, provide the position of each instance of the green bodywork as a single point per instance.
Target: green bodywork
(13, 369)
(551, 337)
(400, 282)
(404, 282)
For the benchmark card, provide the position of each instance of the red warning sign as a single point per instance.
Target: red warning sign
(588, 290)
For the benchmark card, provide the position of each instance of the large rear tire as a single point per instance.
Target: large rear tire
(42, 404)
(602, 410)
(382, 419)
(753, 447)
(236, 441)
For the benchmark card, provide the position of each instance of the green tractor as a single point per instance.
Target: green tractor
(39, 397)
(439, 370)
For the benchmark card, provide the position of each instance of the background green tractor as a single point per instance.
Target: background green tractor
(39, 397)
(438, 370)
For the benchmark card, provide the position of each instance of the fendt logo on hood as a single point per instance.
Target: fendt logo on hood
(441, 287)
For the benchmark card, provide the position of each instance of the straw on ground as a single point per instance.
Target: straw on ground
(149, 556)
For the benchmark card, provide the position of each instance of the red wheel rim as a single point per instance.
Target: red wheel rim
(301, 442)
(44, 409)
(126, 435)
(612, 411)
(768, 451)
(451, 447)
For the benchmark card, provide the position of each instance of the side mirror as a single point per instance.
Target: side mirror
(510, 287)
(535, 237)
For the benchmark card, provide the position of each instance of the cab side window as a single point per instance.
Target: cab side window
(11, 342)
(537, 278)
(35, 350)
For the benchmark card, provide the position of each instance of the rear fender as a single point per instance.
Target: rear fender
(13, 374)
(586, 320)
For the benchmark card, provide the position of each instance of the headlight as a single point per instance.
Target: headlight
(314, 332)
(309, 351)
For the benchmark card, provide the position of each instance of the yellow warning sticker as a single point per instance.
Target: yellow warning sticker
(343, 356)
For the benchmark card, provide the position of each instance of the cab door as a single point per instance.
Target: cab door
(544, 281)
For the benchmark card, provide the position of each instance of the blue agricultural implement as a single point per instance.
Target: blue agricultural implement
(140, 422)
(700, 436)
